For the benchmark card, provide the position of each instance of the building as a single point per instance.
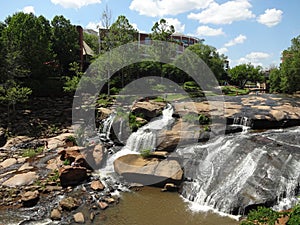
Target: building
(85, 52)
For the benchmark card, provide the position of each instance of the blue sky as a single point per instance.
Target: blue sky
(255, 31)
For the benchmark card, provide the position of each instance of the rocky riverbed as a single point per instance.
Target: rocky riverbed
(47, 178)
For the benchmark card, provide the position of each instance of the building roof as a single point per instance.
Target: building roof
(87, 50)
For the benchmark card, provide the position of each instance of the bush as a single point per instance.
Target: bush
(145, 153)
(295, 216)
(262, 215)
(30, 152)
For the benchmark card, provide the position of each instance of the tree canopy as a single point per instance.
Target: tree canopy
(243, 73)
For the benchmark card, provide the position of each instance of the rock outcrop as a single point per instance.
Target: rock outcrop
(149, 109)
(137, 169)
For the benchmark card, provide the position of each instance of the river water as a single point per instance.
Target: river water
(150, 206)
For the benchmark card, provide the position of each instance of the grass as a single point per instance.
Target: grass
(233, 91)
(31, 152)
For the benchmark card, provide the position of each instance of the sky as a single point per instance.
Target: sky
(246, 31)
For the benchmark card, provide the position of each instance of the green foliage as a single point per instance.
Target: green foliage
(162, 31)
(194, 118)
(72, 82)
(243, 73)
(105, 100)
(232, 91)
(64, 43)
(211, 57)
(295, 216)
(275, 80)
(261, 215)
(12, 93)
(145, 153)
(190, 118)
(67, 162)
(32, 152)
(27, 42)
(71, 138)
(133, 123)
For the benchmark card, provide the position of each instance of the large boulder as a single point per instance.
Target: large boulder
(182, 133)
(149, 109)
(137, 169)
(71, 175)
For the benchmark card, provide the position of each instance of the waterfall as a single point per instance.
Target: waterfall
(107, 124)
(236, 172)
(244, 121)
(146, 136)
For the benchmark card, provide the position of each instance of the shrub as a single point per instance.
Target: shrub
(30, 152)
(262, 215)
(145, 153)
(295, 216)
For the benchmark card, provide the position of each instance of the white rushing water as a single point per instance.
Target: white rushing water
(233, 172)
(144, 138)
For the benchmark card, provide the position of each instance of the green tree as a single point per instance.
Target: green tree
(211, 57)
(162, 31)
(243, 73)
(27, 42)
(290, 67)
(12, 93)
(275, 80)
(64, 43)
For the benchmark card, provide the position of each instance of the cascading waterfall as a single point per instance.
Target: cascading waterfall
(236, 172)
(144, 138)
(107, 124)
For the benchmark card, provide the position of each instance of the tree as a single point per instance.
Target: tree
(12, 93)
(162, 31)
(211, 57)
(290, 68)
(64, 43)
(243, 73)
(27, 42)
(275, 80)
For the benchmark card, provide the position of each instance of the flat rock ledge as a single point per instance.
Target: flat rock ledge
(148, 171)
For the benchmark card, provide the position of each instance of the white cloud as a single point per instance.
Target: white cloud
(222, 50)
(179, 28)
(238, 40)
(76, 4)
(255, 58)
(208, 31)
(226, 13)
(159, 8)
(93, 25)
(28, 9)
(271, 17)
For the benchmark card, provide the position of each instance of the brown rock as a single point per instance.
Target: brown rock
(30, 198)
(69, 203)
(70, 175)
(8, 162)
(55, 214)
(79, 217)
(149, 109)
(21, 179)
(96, 185)
(137, 169)
(103, 205)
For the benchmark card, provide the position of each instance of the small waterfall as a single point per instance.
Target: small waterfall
(233, 173)
(244, 121)
(106, 128)
(144, 138)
